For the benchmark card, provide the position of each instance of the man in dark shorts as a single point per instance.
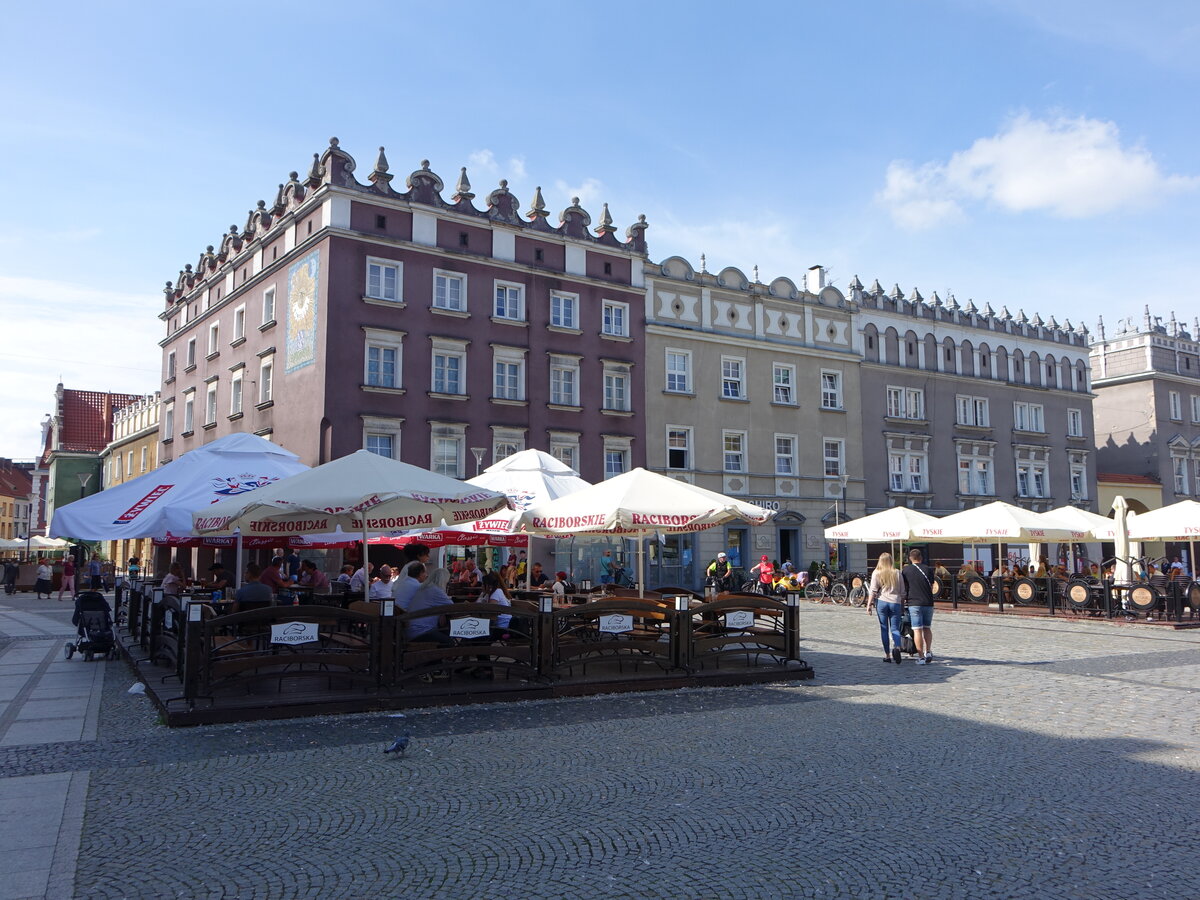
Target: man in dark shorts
(918, 589)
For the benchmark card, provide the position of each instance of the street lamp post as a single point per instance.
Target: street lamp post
(478, 453)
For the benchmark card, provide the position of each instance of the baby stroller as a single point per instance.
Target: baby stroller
(95, 625)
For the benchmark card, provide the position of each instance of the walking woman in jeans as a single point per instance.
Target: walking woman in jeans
(887, 599)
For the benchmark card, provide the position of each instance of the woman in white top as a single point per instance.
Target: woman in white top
(887, 600)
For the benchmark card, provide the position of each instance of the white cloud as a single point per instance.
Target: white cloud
(484, 160)
(87, 338)
(769, 244)
(590, 193)
(516, 168)
(1067, 167)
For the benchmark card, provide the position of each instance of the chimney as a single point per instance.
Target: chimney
(814, 281)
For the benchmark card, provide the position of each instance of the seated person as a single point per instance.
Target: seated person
(538, 578)
(381, 587)
(272, 576)
(431, 594)
(559, 587)
(404, 589)
(468, 573)
(175, 582)
(311, 576)
(345, 575)
(253, 592)
(219, 579)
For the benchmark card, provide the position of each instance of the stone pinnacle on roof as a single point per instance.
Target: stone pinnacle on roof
(1037, 320)
(703, 264)
(876, 288)
(756, 281)
(316, 172)
(988, 311)
(952, 303)
(970, 308)
(462, 190)
(1052, 324)
(896, 294)
(1022, 319)
(606, 223)
(935, 301)
(379, 175)
(855, 284)
(537, 206)
(1066, 325)
(915, 297)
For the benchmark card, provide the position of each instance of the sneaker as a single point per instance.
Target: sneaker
(928, 657)
(922, 661)
(887, 659)
(896, 655)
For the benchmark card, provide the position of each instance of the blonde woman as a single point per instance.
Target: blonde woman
(887, 600)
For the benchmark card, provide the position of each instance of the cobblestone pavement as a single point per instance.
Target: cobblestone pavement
(1035, 758)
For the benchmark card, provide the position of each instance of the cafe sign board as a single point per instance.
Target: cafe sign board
(617, 623)
(294, 633)
(469, 627)
(742, 618)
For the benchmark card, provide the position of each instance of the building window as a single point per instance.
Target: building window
(1196, 474)
(831, 390)
(565, 448)
(1028, 417)
(834, 455)
(905, 403)
(449, 366)
(1074, 423)
(450, 291)
(380, 444)
(783, 379)
(168, 422)
(679, 447)
(506, 442)
(508, 369)
(1176, 407)
(210, 404)
(785, 454)
(383, 279)
(734, 447)
(214, 338)
(564, 381)
(975, 474)
(381, 366)
(679, 371)
(189, 413)
(1031, 480)
(615, 319)
(117, 468)
(190, 356)
(733, 378)
(1181, 474)
(235, 394)
(1195, 409)
(616, 388)
(906, 472)
(268, 305)
(972, 411)
(447, 443)
(564, 310)
(510, 302)
(615, 462)
(171, 370)
(1078, 482)
(266, 371)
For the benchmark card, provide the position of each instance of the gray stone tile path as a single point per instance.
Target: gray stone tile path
(1035, 758)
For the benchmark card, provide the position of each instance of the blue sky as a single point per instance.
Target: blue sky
(1035, 155)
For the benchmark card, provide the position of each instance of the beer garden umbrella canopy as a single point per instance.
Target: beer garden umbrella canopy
(897, 524)
(637, 504)
(997, 522)
(1098, 527)
(1177, 522)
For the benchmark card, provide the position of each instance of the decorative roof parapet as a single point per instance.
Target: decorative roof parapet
(575, 220)
(503, 205)
(380, 177)
(338, 165)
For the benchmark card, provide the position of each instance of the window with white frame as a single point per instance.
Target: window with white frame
(210, 404)
(835, 454)
(214, 338)
(449, 360)
(381, 435)
(906, 472)
(384, 279)
(190, 355)
(679, 447)
(564, 380)
(1176, 406)
(783, 381)
(1074, 423)
(975, 472)
(118, 467)
(906, 403)
(506, 442)
(565, 448)
(972, 411)
(239, 324)
(508, 373)
(1078, 482)
(1032, 479)
(1179, 464)
(268, 308)
(564, 310)
(446, 449)
(235, 393)
(733, 378)
(734, 451)
(129, 463)
(785, 454)
(831, 390)
(1028, 417)
(679, 371)
(615, 319)
(509, 301)
(382, 357)
(168, 421)
(1195, 409)
(616, 387)
(189, 412)
(449, 291)
(171, 367)
(266, 377)
(1196, 474)
(616, 455)
(145, 456)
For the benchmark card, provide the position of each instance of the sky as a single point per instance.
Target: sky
(1037, 155)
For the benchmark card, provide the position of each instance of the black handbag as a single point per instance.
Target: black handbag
(907, 644)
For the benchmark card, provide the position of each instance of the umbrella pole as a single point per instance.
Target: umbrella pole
(366, 563)
(642, 567)
(528, 560)
(237, 576)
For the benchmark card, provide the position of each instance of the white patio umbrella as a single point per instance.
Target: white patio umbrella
(362, 492)
(999, 522)
(1177, 522)
(897, 524)
(1098, 527)
(637, 504)
(1122, 569)
(37, 542)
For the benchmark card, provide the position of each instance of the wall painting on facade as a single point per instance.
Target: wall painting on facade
(303, 279)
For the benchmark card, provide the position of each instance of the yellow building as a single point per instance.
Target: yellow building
(132, 453)
(16, 488)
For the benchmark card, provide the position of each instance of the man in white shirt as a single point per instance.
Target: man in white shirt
(414, 575)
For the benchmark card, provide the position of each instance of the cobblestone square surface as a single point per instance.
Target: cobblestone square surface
(1035, 758)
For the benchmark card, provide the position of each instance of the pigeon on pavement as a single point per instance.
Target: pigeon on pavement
(399, 745)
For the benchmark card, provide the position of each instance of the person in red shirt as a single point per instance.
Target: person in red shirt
(766, 574)
(272, 576)
(312, 577)
(68, 578)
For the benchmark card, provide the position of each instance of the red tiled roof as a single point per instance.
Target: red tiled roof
(15, 482)
(87, 418)
(1122, 478)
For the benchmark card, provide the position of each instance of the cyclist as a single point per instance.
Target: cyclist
(766, 574)
(720, 573)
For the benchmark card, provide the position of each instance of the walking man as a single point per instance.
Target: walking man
(918, 588)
